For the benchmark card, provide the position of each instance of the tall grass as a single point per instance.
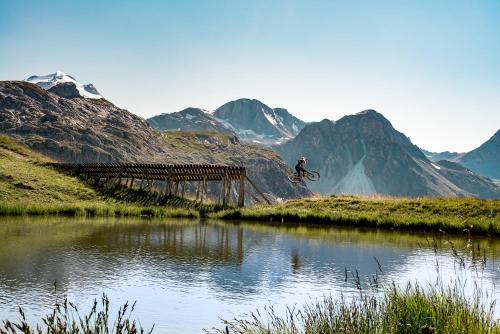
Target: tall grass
(65, 318)
(410, 310)
(97, 209)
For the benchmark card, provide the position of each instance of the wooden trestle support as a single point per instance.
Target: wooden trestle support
(172, 177)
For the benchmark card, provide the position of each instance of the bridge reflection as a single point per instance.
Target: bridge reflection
(234, 259)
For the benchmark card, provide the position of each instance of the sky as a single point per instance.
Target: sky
(431, 67)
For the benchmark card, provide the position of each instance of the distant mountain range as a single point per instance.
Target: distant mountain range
(251, 120)
(364, 154)
(484, 160)
(358, 154)
(437, 156)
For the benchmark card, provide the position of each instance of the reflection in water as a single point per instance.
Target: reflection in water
(186, 274)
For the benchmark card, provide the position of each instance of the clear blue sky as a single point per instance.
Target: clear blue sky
(431, 67)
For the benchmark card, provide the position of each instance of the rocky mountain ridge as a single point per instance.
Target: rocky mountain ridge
(485, 159)
(251, 120)
(364, 154)
(255, 121)
(189, 119)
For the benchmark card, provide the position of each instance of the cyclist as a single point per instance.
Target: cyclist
(299, 167)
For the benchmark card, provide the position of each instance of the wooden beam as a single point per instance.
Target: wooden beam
(258, 191)
(241, 193)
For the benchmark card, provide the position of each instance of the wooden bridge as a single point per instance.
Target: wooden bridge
(169, 179)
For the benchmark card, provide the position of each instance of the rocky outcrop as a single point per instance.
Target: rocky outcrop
(67, 90)
(364, 154)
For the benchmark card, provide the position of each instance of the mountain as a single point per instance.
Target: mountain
(95, 130)
(189, 119)
(485, 159)
(254, 121)
(65, 85)
(364, 154)
(437, 156)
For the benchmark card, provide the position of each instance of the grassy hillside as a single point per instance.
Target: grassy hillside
(461, 215)
(27, 186)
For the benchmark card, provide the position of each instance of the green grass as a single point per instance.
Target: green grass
(410, 310)
(94, 209)
(453, 215)
(29, 187)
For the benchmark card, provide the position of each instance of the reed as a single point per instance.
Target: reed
(66, 318)
(410, 310)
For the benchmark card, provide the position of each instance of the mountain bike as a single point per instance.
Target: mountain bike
(310, 175)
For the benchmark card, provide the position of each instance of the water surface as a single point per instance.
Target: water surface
(186, 274)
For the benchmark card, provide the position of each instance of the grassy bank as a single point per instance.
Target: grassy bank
(453, 215)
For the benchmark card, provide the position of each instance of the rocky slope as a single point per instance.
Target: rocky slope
(485, 159)
(364, 154)
(189, 119)
(254, 121)
(95, 130)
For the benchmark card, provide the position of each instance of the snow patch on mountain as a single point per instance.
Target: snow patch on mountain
(355, 182)
(50, 80)
(271, 118)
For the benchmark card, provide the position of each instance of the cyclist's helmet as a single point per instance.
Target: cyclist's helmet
(303, 159)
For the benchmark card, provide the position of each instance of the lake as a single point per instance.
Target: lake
(185, 274)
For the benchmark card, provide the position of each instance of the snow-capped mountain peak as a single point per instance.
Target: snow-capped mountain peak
(255, 121)
(51, 80)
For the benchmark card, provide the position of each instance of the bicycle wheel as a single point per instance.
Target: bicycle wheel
(312, 176)
(294, 178)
